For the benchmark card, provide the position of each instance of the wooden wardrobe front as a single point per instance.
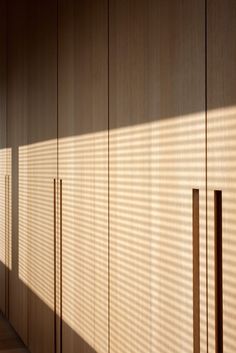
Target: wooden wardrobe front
(157, 205)
(118, 175)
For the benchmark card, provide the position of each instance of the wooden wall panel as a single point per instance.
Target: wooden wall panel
(221, 117)
(40, 154)
(83, 168)
(157, 156)
(3, 67)
(16, 136)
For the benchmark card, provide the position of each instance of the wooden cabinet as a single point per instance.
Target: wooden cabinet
(117, 175)
(156, 159)
(221, 182)
(83, 173)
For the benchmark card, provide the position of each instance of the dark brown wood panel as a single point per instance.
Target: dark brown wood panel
(9, 341)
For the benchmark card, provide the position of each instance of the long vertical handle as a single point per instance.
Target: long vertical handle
(196, 279)
(6, 235)
(7, 229)
(6, 216)
(218, 272)
(61, 266)
(55, 261)
(57, 199)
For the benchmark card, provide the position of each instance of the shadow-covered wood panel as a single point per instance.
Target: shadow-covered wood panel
(9, 341)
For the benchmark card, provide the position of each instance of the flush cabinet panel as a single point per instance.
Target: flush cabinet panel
(16, 137)
(157, 156)
(83, 171)
(40, 154)
(3, 195)
(32, 167)
(221, 152)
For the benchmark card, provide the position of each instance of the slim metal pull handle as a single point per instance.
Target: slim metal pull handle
(55, 262)
(7, 235)
(57, 199)
(196, 280)
(218, 272)
(61, 266)
(6, 215)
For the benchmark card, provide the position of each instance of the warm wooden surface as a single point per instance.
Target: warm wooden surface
(83, 168)
(16, 135)
(32, 130)
(157, 156)
(40, 159)
(2, 151)
(9, 341)
(221, 122)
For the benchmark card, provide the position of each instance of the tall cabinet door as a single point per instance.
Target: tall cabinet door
(41, 156)
(16, 137)
(83, 173)
(157, 176)
(3, 196)
(221, 142)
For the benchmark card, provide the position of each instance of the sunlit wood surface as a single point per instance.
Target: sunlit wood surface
(156, 158)
(83, 168)
(9, 341)
(221, 147)
(2, 151)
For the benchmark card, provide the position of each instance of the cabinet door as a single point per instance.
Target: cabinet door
(221, 142)
(83, 170)
(41, 155)
(16, 137)
(3, 198)
(156, 159)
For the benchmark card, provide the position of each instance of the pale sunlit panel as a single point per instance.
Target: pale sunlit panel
(2, 207)
(83, 168)
(8, 247)
(24, 241)
(37, 168)
(153, 169)
(221, 176)
(2, 226)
